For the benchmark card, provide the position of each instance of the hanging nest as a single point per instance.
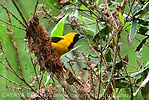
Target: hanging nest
(39, 42)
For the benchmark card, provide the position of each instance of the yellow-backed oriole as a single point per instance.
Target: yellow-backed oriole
(65, 43)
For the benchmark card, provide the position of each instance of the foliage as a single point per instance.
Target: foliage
(110, 63)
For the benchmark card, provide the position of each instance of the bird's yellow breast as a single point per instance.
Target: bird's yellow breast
(61, 48)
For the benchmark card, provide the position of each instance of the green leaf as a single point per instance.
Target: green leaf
(121, 84)
(143, 73)
(141, 44)
(143, 76)
(144, 10)
(134, 9)
(58, 29)
(82, 19)
(72, 50)
(143, 1)
(147, 64)
(143, 21)
(145, 91)
(139, 72)
(48, 78)
(143, 84)
(133, 30)
(76, 48)
(126, 26)
(108, 55)
(143, 30)
(103, 32)
(51, 1)
(97, 1)
(82, 7)
(139, 53)
(121, 17)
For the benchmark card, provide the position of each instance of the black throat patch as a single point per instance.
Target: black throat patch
(76, 38)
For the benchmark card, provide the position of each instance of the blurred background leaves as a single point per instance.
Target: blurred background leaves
(134, 37)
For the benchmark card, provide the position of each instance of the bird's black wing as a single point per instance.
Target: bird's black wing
(56, 39)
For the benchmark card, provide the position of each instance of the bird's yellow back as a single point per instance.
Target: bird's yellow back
(63, 43)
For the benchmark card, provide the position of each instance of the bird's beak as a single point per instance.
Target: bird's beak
(81, 36)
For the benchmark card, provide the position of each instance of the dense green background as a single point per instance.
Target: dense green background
(27, 7)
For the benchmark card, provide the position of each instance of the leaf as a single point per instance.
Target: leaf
(142, 85)
(119, 65)
(126, 26)
(51, 1)
(58, 29)
(134, 9)
(144, 10)
(72, 50)
(133, 30)
(126, 59)
(145, 91)
(143, 30)
(147, 64)
(82, 19)
(141, 44)
(103, 32)
(75, 48)
(121, 84)
(139, 72)
(82, 7)
(139, 53)
(108, 55)
(143, 76)
(143, 22)
(121, 17)
(48, 78)
(143, 1)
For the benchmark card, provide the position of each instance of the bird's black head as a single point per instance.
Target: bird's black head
(76, 38)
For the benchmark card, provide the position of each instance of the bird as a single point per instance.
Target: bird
(64, 44)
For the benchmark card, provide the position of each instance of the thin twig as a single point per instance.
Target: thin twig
(13, 71)
(130, 64)
(141, 40)
(127, 75)
(68, 91)
(12, 25)
(15, 45)
(129, 12)
(115, 55)
(17, 54)
(37, 2)
(100, 70)
(14, 3)
(8, 62)
(34, 66)
(113, 69)
(88, 64)
(14, 82)
(14, 16)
